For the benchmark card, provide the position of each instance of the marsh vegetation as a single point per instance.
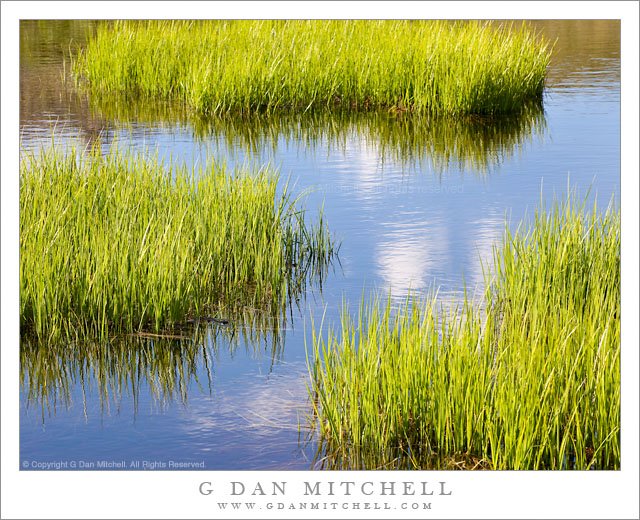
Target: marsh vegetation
(531, 381)
(242, 66)
(115, 243)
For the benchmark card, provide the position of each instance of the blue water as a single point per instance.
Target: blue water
(418, 224)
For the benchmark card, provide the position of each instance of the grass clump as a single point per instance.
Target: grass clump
(115, 242)
(455, 68)
(530, 382)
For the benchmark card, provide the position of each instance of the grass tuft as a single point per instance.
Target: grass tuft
(531, 382)
(114, 243)
(452, 68)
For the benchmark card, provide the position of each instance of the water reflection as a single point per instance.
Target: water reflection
(404, 139)
(165, 366)
(49, 104)
(410, 250)
(43, 42)
(407, 259)
(586, 54)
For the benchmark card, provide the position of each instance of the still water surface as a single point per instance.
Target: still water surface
(417, 204)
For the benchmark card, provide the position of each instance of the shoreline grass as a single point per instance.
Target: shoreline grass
(452, 68)
(531, 382)
(115, 243)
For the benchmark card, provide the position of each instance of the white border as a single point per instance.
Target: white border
(175, 495)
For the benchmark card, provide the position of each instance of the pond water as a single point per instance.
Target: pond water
(418, 204)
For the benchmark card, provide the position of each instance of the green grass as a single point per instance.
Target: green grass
(531, 381)
(114, 243)
(242, 66)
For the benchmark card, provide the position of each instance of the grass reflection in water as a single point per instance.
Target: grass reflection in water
(476, 143)
(165, 366)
